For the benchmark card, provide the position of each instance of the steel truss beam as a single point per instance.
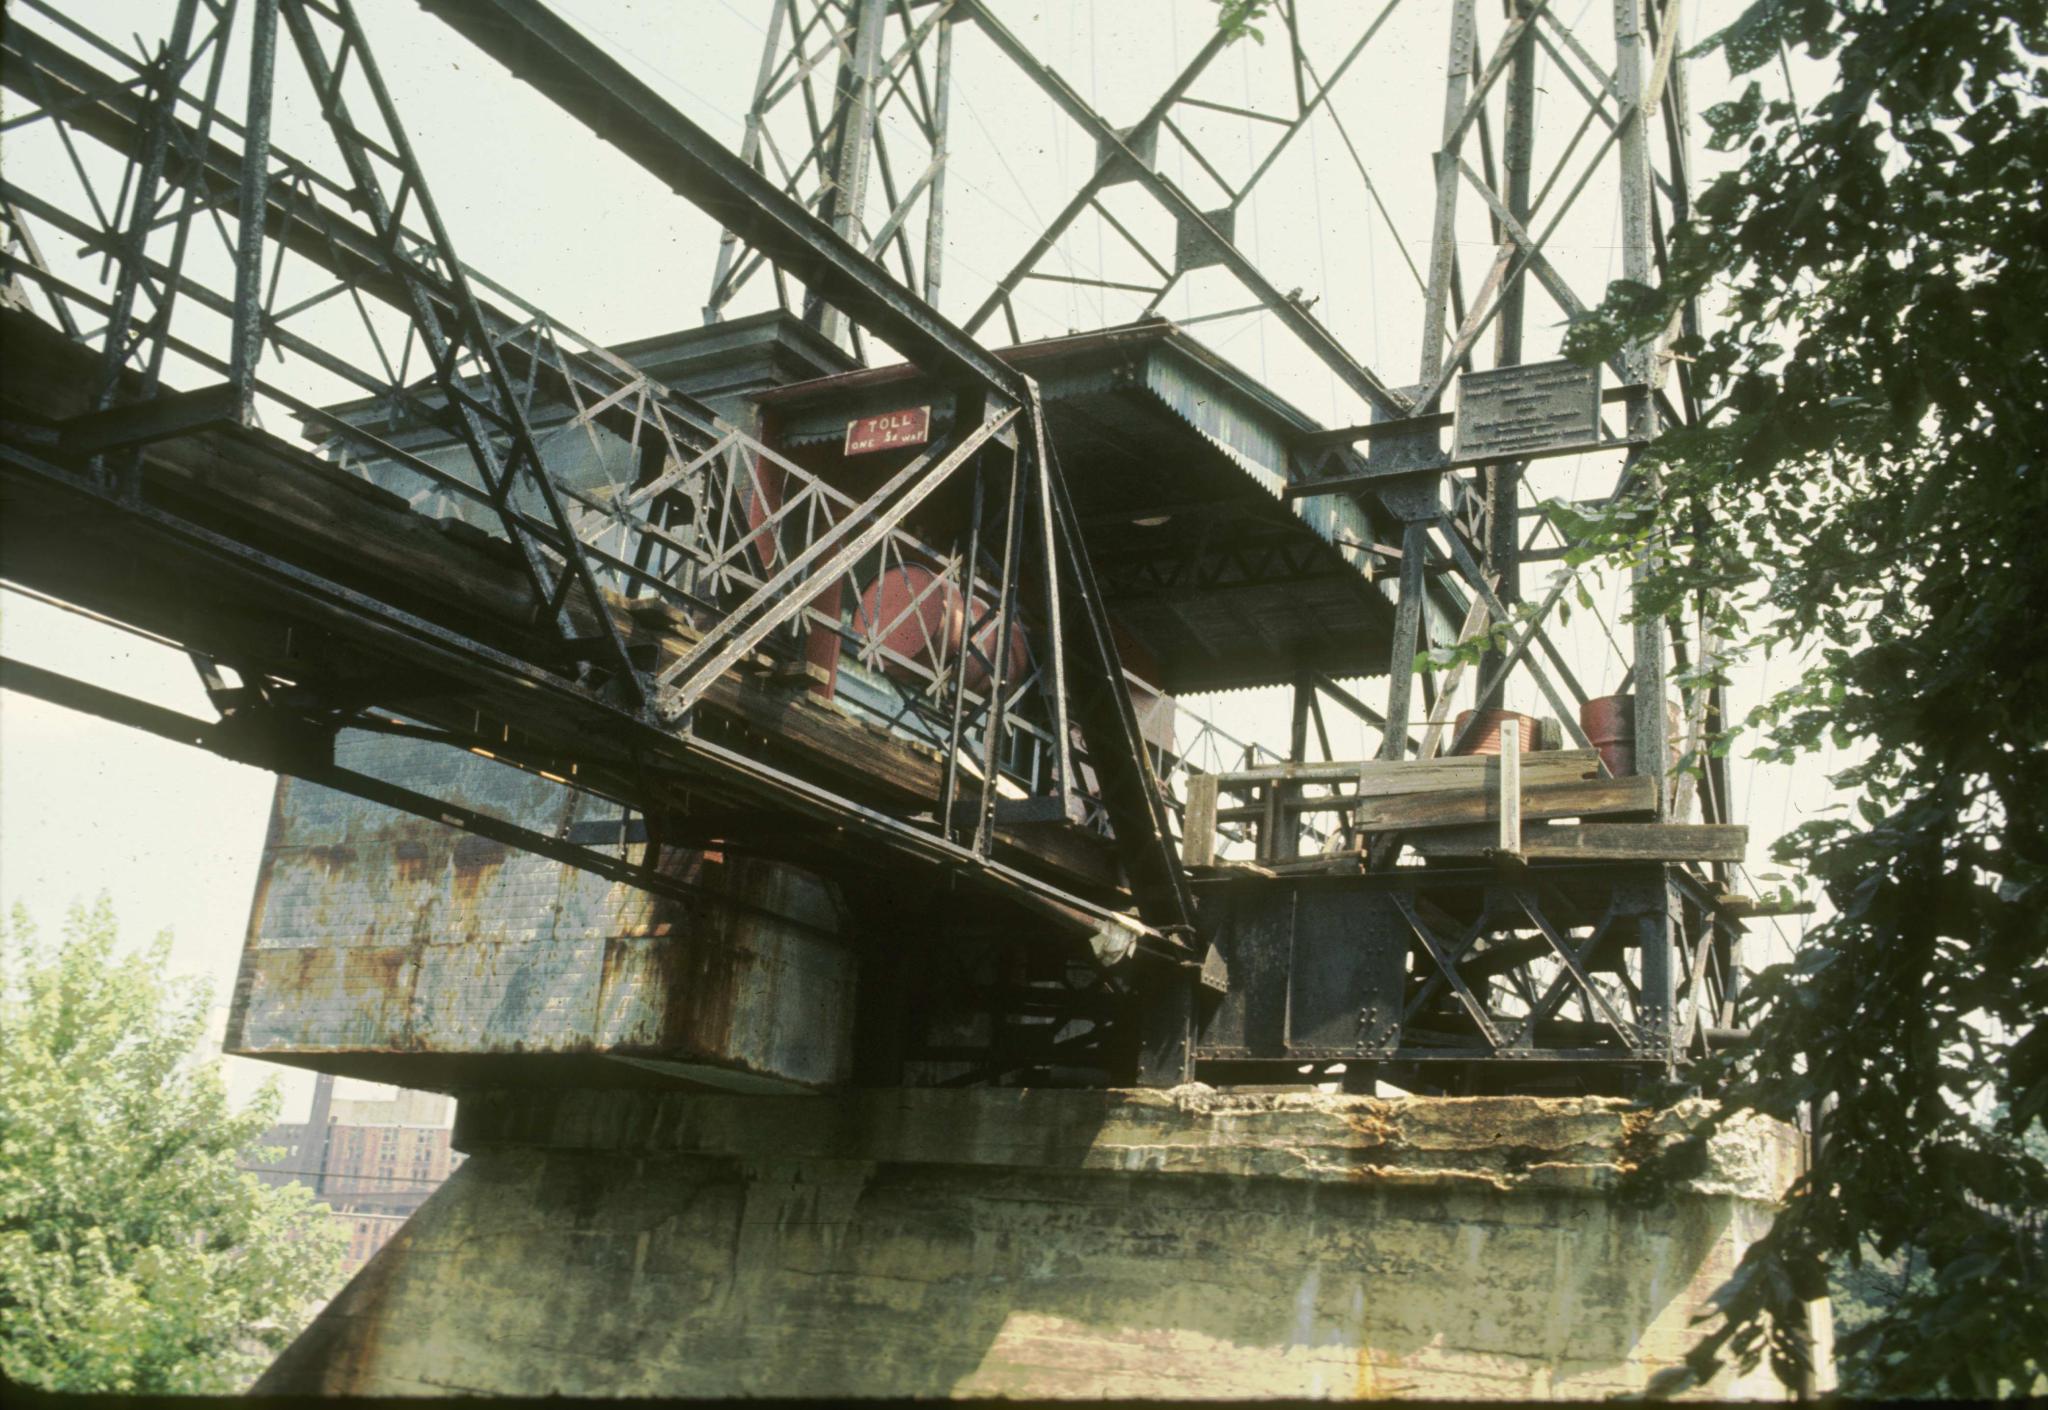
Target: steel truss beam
(419, 274)
(650, 764)
(827, 556)
(1419, 970)
(1121, 160)
(542, 49)
(286, 743)
(489, 413)
(487, 367)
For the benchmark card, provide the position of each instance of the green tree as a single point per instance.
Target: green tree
(1867, 496)
(135, 1254)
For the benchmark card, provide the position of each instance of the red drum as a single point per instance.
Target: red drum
(921, 619)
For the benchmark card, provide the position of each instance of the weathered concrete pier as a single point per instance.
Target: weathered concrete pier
(1179, 1243)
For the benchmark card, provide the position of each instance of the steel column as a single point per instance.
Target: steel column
(1407, 631)
(1637, 259)
(1504, 481)
(255, 196)
(935, 207)
(750, 153)
(1443, 244)
(853, 132)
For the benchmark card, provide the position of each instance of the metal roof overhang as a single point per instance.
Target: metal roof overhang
(1176, 462)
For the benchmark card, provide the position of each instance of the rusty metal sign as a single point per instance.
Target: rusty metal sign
(889, 430)
(1538, 408)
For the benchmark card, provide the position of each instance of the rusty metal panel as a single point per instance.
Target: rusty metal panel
(375, 932)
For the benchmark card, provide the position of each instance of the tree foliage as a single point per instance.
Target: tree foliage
(135, 1255)
(1866, 496)
(1239, 19)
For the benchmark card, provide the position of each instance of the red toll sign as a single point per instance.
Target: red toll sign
(889, 430)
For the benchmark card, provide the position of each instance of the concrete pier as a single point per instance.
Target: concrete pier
(1048, 1244)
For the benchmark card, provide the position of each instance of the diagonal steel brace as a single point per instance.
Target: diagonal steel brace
(451, 323)
(828, 556)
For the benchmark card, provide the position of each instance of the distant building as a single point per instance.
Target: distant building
(374, 1162)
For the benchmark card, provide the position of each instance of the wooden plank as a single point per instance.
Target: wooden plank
(1433, 731)
(1339, 772)
(1735, 906)
(1378, 779)
(1225, 871)
(1510, 784)
(1386, 778)
(1198, 822)
(1588, 798)
(1597, 842)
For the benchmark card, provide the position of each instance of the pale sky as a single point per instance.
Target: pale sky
(173, 834)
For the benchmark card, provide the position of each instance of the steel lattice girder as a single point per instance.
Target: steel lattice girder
(1296, 318)
(541, 48)
(1444, 965)
(646, 763)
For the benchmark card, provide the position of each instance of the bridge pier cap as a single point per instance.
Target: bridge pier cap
(1181, 1243)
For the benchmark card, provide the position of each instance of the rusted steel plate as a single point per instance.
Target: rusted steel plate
(379, 932)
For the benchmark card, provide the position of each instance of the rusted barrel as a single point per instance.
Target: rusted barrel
(929, 631)
(1610, 725)
(1486, 738)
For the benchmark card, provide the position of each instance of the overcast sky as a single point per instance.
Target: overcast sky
(174, 834)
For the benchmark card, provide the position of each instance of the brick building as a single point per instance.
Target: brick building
(376, 1162)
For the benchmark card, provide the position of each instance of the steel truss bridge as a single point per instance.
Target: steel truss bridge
(420, 565)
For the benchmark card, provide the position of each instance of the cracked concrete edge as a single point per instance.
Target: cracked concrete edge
(1505, 1144)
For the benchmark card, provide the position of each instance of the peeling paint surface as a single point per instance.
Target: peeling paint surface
(374, 931)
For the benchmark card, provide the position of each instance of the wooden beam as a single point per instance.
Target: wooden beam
(1198, 821)
(1378, 779)
(1467, 807)
(1735, 906)
(1597, 842)
(1387, 778)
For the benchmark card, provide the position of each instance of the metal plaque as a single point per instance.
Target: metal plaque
(889, 430)
(1535, 409)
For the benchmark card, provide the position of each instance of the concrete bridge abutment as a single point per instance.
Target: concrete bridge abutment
(1027, 1243)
